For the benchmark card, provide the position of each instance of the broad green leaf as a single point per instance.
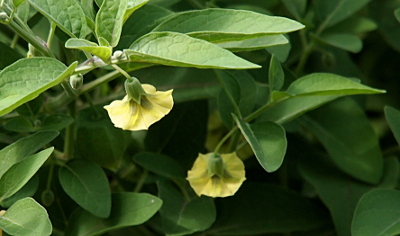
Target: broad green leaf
(164, 3)
(281, 52)
(26, 218)
(19, 124)
(347, 42)
(132, 6)
(296, 7)
(24, 147)
(353, 25)
(347, 135)
(293, 107)
(334, 11)
(180, 217)
(128, 209)
(86, 183)
(11, 57)
(160, 164)
(67, 14)
(254, 43)
(111, 142)
(338, 191)
(109, 21)
(328, 84)
(56, 122)
(103, 52)
(238, 93)
(397, 14)
(377, 214)
(267, 140)
(175, 49)
(17, 3)
(24, 12)
(219, 25)
(20, 173)
(276, 77)
(259, 209)
(28, 190)
(141, 23)
(25, 79)
(393, 118)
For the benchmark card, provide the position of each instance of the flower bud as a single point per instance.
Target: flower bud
(4, 18)
(134, 89)
(76, 81)
(47, 197)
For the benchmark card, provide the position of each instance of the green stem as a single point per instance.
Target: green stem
(70, 134)
(30, 39)
(50, 37)
(124, 73)
(50, 177)
(141, 181)
(223, 140)
(14, 41)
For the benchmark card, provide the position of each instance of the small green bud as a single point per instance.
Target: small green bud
(119, 55)
(4, 18)
(76, 81)
(215, 165)
(134, 89)
(47, 197)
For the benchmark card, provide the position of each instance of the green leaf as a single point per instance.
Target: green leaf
(56, 122)
(28, 190)
(160, 164)
(259, 209)
(133, 5)
(26, 218)
(397, 14)
(175, 49)
(24, 147)
(12, 55)
(393, 118)
(67, 14)
(267, 140)
(20, 173)
(334, 11)
(19, 124)
(240, 87)
(128, 209)
(111, 142)
(86, 183)
(328, 84)
(347, 42)
(103, 52)
(219, 25)
(281, 52)
(141, 23)
(346, 133)
(296, 7)
(17, 3)
(180, 217)
(353, 25)
(377, 214)
(339, 192)
(27, 78)
(254, 43)
(109, 21)
(276, 77)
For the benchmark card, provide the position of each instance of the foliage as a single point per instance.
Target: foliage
(263, 133)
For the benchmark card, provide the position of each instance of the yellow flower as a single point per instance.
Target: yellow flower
(128, 114)
(216, 175)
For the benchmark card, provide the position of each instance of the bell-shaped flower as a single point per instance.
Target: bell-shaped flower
(216, 175)
(141, 107)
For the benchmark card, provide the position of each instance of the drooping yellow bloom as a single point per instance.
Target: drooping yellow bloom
(128, 114)
(215, 177)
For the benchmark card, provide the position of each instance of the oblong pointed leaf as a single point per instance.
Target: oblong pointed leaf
(267, 140)
(160, 164)
(20, 173)
(377, 214)
(67, 14)
(254, 43)
(128, 209)
(86, 183)
(328, 84)
(26, 218)
(133, 5)
(103, 52)
(393, 118)
(175, 49)
(24, 147)
(347, 135)
(276, 76)
(347, 42)
(222, 25)
(109, 21)
(25, 79)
